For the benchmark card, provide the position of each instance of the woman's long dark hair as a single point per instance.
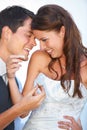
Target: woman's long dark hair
(53, 17)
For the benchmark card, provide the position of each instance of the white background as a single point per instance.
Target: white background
(77, 8)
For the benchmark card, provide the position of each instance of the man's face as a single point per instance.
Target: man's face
(22, 41)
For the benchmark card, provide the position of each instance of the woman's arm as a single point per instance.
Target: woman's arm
(83, 72)
(32, 72)
(38, 63)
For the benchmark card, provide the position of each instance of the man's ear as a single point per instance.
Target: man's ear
(6, 32)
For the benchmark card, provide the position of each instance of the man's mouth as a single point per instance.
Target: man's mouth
(27, 49)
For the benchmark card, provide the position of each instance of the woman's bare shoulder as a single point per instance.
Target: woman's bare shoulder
(41, 56)
(41, 59)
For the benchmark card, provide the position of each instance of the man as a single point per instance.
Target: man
(16, 38)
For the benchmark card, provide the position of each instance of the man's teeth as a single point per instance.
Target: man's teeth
(49, 51)
(27, 49)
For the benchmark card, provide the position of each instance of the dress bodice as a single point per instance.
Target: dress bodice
(56, 104)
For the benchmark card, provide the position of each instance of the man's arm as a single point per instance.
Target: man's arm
(31, 101)
(8, 116)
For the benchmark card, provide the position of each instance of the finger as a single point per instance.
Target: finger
(11, 71)
(71, 118)
(41, 88)
(13, 61)
(40, 92)
(64, 125)
(41, 96)
(10, 67)
(32, 92)
(21, 57)
(11, 57)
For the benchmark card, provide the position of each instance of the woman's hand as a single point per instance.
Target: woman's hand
(70, 124)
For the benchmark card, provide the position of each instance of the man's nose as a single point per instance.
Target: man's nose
(32, 42)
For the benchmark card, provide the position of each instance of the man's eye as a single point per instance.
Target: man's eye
(29, 35)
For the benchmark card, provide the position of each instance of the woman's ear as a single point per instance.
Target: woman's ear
(6, 32)
(62, 31)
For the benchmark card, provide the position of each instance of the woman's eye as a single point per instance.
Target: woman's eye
(44, 40)
(29, 36)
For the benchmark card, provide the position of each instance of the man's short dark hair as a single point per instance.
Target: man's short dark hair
(14, 17)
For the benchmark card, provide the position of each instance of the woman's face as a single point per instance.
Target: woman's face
(51, 41)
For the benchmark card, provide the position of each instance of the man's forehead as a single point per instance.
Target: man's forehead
(28, 22)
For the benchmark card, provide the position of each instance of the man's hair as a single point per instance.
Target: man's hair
(14, 17)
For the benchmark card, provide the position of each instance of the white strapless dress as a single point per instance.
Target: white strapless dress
(56, 104)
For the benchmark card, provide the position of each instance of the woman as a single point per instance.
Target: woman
(60, 67)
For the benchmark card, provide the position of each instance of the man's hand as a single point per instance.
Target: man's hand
(70, 124)
(32, 100)
(13, 64)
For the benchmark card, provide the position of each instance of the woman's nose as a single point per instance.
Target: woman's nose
(42, 46)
